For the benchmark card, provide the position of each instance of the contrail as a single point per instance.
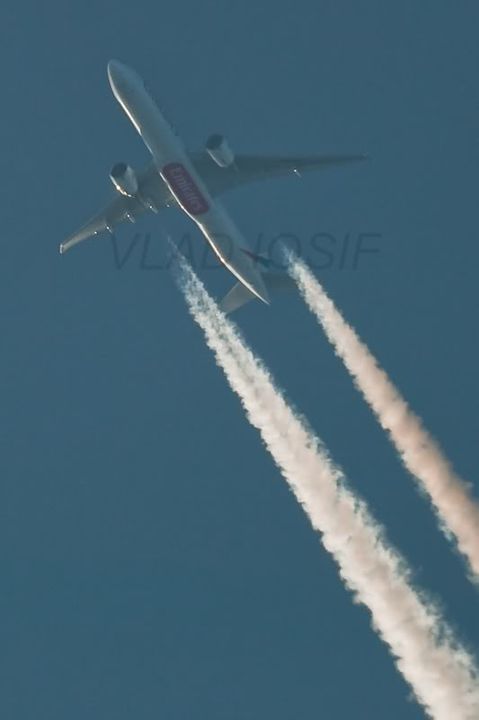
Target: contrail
(441, 673)
(451, 497)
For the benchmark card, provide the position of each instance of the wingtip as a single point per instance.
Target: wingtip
(61, 248)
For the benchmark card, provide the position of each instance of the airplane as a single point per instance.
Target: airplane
(192, 182)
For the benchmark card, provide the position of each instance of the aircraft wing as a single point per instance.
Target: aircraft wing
(153, 195)
(249, 168)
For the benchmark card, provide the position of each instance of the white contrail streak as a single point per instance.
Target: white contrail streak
(441, 673)
(457, 511)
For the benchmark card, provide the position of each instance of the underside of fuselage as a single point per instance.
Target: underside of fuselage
(191, 181)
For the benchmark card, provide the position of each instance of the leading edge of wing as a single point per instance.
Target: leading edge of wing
(94, 226)
(116, 211)
(153, 195)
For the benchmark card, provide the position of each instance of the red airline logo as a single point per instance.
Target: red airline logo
(185, 189)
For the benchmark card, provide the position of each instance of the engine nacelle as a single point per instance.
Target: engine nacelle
(219, 150)
(124, 179)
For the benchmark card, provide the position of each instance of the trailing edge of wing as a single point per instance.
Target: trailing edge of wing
(248, 168)
(257, 166)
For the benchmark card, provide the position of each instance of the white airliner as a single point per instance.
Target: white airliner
(192, 181)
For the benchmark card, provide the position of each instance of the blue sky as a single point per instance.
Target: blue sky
(154, 563)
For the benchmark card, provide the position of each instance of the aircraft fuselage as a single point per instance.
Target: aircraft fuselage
(182, 179)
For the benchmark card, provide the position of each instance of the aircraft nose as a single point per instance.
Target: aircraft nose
(121, 76)
(116, 70)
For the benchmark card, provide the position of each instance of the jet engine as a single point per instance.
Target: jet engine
(124, 179)
(219, 150)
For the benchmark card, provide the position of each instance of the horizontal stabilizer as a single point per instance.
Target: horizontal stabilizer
(239, 295)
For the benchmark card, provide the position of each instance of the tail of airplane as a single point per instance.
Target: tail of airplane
(239, 294)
